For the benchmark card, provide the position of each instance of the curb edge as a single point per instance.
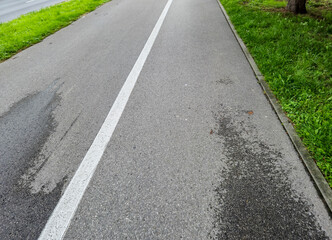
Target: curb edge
(308, 161)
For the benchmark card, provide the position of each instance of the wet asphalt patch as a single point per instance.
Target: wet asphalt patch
(24, 130)
(254, 197)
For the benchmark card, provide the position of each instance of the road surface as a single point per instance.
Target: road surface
(195, 150)
(11, 9)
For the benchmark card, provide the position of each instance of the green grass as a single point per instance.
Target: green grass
(266, 3)
(29, 29)
(294, 53)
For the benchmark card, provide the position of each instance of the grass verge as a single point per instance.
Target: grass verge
(294, 53)
(33, 27)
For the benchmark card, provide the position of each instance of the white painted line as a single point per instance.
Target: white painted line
(30, 1)
(59, 221)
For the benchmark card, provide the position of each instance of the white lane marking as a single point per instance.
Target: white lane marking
(60, 219)
(30, 1)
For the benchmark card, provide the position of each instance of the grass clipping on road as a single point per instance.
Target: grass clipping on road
(294, 53)
(33, 27)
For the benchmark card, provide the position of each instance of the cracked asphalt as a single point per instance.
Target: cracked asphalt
(198, 152)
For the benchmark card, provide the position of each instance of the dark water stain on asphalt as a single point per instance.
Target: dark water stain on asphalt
(225, 80)
(255, 199)
(24, 130)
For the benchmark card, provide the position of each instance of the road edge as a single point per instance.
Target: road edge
(50, 32)
(316, 175)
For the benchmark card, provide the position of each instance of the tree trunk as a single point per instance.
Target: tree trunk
(296, 6)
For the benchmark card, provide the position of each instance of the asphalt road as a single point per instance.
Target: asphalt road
(198, 152)
(11, 9)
